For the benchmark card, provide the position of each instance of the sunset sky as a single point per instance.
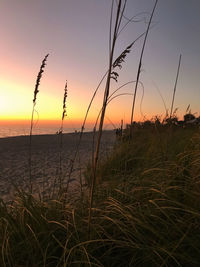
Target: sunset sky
(75, 33)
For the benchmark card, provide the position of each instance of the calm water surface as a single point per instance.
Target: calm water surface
(13, 130)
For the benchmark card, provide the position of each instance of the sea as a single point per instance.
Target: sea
(9, 131)
(13, 129)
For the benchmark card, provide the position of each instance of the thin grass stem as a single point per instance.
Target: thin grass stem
(39, 76)
(174, 92)
(140, 65)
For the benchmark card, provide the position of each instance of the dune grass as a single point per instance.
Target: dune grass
(145, 213)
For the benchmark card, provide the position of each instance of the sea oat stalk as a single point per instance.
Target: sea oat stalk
(174, 92)
(39, 76)
(110, 75)
(117, 63)
(64, 114)
(140, 64)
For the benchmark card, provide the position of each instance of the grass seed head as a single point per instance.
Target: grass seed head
(64, 102)
(39, 78)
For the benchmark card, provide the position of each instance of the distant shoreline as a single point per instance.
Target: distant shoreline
(52, 131)
(53, 134)
(48, 134)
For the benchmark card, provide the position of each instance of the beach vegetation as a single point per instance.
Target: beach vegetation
(145, 211)
(140, 203)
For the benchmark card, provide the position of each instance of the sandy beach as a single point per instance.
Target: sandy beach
(14, 164)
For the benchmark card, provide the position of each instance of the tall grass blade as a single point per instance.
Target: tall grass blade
(140, 64)
(174, 92)
(64, 114)
(39, 76)
(106, 95)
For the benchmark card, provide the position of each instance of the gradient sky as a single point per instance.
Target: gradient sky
(75, 34)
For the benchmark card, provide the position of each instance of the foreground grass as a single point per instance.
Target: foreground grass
(146, 213)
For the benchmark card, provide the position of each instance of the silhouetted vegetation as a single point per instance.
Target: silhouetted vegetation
(141, 205)
(146, 210)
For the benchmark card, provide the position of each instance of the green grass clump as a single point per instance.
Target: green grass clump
(145, 214)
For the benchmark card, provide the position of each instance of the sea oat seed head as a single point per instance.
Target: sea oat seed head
(39, 78)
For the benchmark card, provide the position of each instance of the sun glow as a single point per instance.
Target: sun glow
(16, 103)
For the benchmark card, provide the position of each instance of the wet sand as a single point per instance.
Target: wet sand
(14, 162)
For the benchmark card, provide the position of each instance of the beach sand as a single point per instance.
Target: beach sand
(14, 162)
